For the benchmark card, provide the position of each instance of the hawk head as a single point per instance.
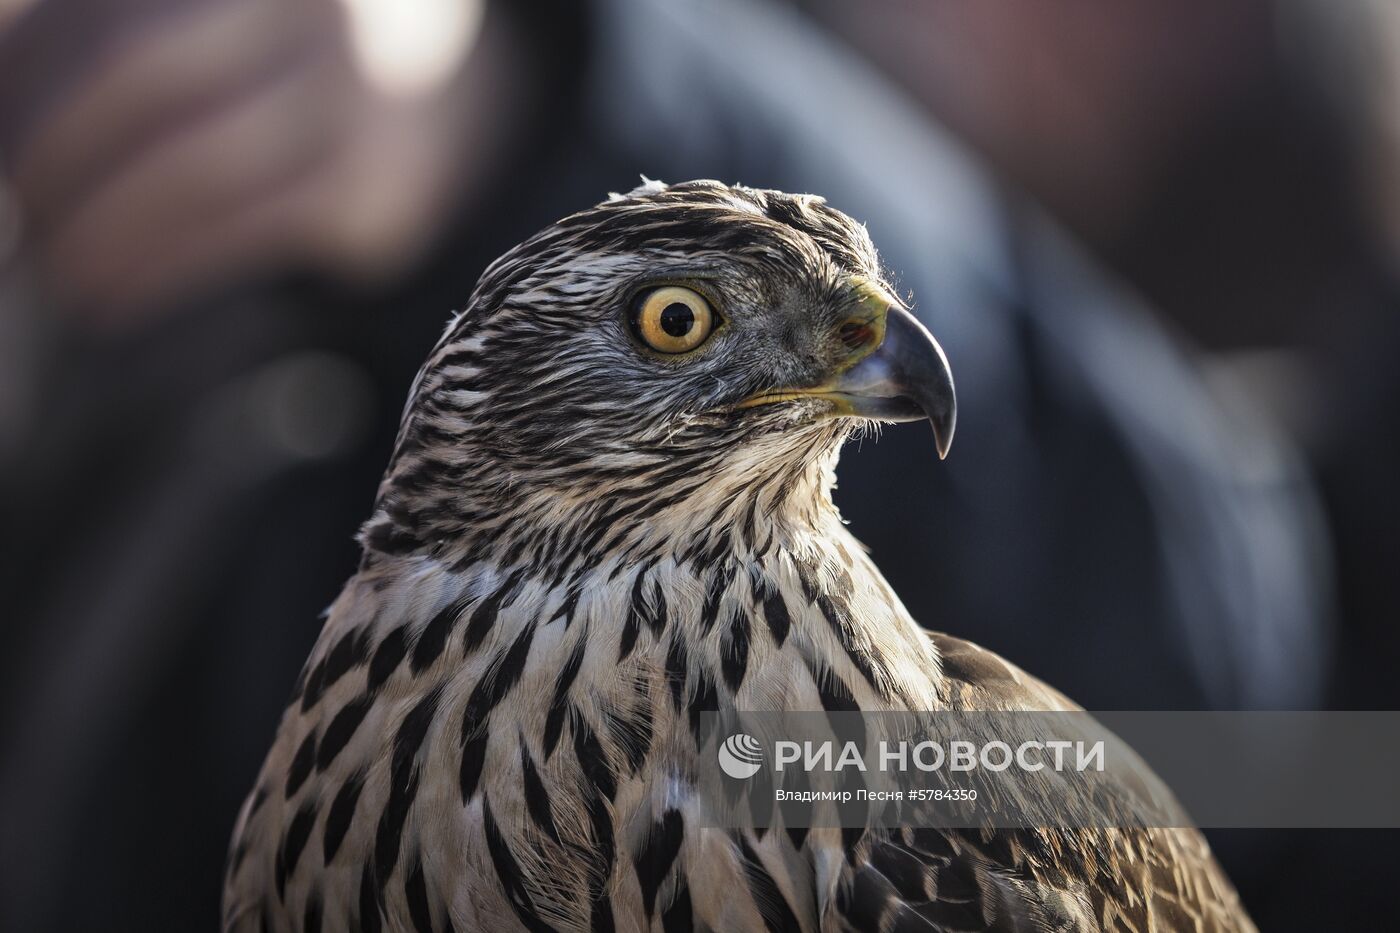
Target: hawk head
(678, 350)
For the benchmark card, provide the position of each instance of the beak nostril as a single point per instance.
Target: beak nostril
(855, 334)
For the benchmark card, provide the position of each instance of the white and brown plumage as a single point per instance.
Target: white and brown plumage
(609, 510)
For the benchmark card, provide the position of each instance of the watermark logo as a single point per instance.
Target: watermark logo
(1071, 769)
(741, 756)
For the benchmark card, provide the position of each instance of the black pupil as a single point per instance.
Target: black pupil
(677, 319)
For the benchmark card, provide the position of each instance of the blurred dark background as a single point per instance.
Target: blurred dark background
(1158, 240)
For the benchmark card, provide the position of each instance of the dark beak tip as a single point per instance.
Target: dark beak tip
(943, 436)
(922, 367)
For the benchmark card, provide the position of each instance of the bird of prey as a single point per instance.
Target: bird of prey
(609, 509)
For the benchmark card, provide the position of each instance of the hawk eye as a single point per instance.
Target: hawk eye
(673, 319)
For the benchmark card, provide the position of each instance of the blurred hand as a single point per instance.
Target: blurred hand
(203, 141)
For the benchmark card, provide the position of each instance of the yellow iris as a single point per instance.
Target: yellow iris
(674, 319)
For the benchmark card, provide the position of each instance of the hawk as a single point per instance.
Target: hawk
(609, 509)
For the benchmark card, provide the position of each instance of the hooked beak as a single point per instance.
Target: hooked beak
(902, 377)
(907, 378)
